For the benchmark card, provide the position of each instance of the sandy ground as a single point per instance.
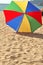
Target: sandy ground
(18, 49)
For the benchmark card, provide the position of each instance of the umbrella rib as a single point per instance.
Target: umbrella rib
(38, 23)
(35, 19)
(19, 7)
(26, 7)
(11, 6)
(29, 23)
(20, 23)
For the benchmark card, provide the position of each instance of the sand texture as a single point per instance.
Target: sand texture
(20, 49)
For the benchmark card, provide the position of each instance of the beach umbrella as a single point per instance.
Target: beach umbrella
(23, 16)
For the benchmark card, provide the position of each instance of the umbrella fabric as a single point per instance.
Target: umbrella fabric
(23, 16)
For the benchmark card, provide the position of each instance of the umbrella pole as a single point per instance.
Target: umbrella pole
(42, 13)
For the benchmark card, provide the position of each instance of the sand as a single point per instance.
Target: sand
(20, 49)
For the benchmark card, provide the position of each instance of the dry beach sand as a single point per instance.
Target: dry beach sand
(18, 49)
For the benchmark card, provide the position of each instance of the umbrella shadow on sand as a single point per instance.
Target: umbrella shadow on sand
(35, 35)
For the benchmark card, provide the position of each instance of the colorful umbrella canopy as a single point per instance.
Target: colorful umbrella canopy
(23, 16)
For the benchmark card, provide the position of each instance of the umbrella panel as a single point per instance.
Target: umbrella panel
(31, 8)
